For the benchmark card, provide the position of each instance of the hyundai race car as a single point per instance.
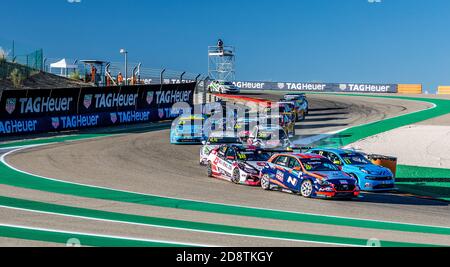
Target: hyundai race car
(223, 87)
(188, 129)
(237, 164)
(370, 177)
(215, 140)
(309, 175)
(269, 137)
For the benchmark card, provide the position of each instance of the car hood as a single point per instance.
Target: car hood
(333, 175)
(373, 169)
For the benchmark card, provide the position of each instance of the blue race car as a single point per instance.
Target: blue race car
(370, 177)
(309, 175)
(188, 129)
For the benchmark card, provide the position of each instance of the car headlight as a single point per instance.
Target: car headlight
(365, 171)
(324, 183)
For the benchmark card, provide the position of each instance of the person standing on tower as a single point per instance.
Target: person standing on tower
(220, 45)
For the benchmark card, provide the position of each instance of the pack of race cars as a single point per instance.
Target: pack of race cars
(262, 155)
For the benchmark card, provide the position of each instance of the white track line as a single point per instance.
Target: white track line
(102, 236)
(178, 228)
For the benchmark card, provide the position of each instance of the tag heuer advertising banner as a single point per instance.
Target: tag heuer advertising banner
(37, 111)
(319, 87)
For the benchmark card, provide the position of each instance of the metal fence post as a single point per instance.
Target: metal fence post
(196, 83)
(162, 76)
(181, 77)
(205, 89)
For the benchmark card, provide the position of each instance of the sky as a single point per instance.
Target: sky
(394, 41)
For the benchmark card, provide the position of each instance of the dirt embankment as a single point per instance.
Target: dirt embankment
(43, 80)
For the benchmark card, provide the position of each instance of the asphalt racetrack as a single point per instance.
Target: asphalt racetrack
(168, 177)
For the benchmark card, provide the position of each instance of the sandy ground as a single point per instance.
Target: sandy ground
(426, 144)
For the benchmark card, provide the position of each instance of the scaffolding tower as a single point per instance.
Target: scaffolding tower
(221, 63)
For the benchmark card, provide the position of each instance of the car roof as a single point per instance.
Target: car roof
(336, 150)
(302, 155)
(187, 117)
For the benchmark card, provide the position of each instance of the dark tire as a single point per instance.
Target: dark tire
(357, 179)
(236, 179)
(265, 182)
(306, 189)
(209, 168)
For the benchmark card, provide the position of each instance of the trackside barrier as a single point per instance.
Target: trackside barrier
(55, 110)
(410, 89)
(444, 90)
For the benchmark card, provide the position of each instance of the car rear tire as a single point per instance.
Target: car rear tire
(265, 182)
(236, 179)
(209, 168)
(306, 189)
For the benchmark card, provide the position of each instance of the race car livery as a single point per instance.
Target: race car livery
(310, 175)
(244, 126)
(269, 137)
(237, 164)
(215, 140)
(300, 98)
(188, 130)
(300, 107)
(223, 87)
(370, 177)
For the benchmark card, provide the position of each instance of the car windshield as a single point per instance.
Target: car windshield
(224, 140)
(267, 135)
(253, 156)
(354, 159)
(319, 165)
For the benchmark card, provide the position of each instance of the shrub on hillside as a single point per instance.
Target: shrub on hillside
(17, 78)
(75, 76)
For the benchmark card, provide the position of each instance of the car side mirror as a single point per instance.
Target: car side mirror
(204, 143)
(297, 169)
(337, 162)
(230, 158)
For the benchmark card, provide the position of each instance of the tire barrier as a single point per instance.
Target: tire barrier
(55, 110)
(444, 90)
(414, 89)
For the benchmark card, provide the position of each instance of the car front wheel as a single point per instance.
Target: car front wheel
(236, 176)
(209, 168)
(306, 189)
(265, 182)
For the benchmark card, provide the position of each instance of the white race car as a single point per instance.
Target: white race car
(237, 164)
(223, 87)
(215, 140)
(269, 137)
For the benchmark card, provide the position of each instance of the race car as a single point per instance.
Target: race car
(215, 140)
(223, 87)
(237, 164)
(309, 175)
(269, 137)
(285, 117)
(244, 126)
(370, 177)
(301, 107)
(300, 97)
(188, 129)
